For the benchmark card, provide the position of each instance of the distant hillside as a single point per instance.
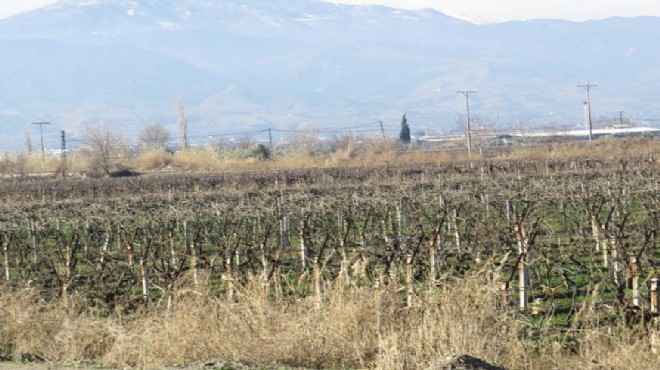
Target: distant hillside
(289, 63)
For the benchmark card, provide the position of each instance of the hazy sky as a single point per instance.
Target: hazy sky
(10, 7)
(528, 9)
(476, 9)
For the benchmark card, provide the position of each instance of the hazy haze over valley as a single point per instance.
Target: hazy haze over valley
(253, 64)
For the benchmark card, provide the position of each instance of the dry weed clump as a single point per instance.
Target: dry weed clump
(459, 318)
(352, 328)
(51, 330)
(254, 329)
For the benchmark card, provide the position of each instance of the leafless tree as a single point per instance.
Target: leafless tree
(182, 122)
(154, 136)
(306, 140)
(461, 123)
(522, 127)
(103, 144)
(28, 142)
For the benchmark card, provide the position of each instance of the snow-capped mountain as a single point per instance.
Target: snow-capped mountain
(280, 63)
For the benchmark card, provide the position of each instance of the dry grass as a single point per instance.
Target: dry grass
(378, 152)
(353, 328)
(602, 148)
(211, 160)
(349, 154)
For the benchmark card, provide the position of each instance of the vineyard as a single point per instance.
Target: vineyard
(528, 263)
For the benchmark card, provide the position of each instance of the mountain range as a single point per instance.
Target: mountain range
(246, 65)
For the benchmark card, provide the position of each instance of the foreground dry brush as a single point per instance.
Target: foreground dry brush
(352, 328)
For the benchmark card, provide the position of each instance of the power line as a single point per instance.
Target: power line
(228, 134)
(359, 128)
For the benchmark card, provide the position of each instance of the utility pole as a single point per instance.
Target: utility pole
(621, 118)
(270, 140)
(587, 87)
(41, 131)
(382, 130)
(63, 149)
(467, 93)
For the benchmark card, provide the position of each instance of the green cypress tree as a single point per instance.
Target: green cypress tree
(404, 135)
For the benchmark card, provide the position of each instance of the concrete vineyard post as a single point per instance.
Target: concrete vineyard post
(118, 237)
(32, 230)
(399, 219)
(283, 239)
(316, 273)
(343, 269)
(129, 252)
(595, 233)
(185, 234)
(457, 235)
(145, 284)
(85, 231)
(303, 247)
(523, 270)
(104, 248)
(5, 256)
(264, 266)
(193, 263)
(170, 240)
(237, 253)
(654, 296)
(634, 266)
(169, 300)
(432, 263)
(229, 276)
(616, 265)
(487, 206)
(604, 248)
(68, 271)
(383, 226)
(522, 284)
(410, 288)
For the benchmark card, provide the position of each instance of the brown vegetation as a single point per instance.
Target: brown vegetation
(361, 328)
(390, 266)
(347, 152)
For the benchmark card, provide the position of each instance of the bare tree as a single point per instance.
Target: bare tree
(461, 124)
(103, 144)
(306, 140)
(154, 136)
(28, 142)
(182, 123)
